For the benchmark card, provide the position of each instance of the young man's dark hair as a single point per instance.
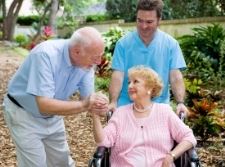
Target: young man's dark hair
(156, 5)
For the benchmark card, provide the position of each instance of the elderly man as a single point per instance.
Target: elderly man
(38, 97)
(152, 47)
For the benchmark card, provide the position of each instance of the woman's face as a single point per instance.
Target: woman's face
(137, 88)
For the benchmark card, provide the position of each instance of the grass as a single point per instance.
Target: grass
(21, 51)
(13, 49)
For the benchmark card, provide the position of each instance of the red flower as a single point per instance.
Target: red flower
(48, 31)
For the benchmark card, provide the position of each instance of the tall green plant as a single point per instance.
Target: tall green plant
(222, 62)
(202, 50)
(111, 37)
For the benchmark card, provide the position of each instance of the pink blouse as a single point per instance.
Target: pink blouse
(133, 140)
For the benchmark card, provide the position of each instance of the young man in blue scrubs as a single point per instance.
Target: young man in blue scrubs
(152, 47)
(38, 97)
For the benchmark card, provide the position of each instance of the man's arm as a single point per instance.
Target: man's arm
(95, 103)
(115, 88)
(178, 89)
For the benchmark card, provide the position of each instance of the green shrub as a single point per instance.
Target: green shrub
(202, 51)
(102, 84)
(96, 18)
(28, 20)
(125, 9)
(21, 39)
(111, 37)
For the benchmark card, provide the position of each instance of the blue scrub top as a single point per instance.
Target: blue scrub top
(163, 54)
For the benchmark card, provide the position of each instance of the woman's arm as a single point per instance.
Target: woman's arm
(180, 149)
(97, 128)
(182, 134)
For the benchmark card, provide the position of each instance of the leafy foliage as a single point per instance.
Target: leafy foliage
(21, 39)
(111, 37)
(192, 89)
(28, 20)
(174, 9)
(202, 50)
(103, 70)
(125, 9)
(96, 18)
(207, 121)
(46, 34)
(102, 84)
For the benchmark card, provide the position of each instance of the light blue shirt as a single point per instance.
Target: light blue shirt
(163, 54)
(48, 72)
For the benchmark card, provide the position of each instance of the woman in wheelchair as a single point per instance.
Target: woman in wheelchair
(142, 134)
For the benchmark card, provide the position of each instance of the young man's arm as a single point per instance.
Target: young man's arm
(178, 89)
(115, 88)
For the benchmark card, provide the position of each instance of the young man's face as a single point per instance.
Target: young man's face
(147, 23)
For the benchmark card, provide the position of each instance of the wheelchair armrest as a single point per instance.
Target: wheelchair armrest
(100, 152)
(193, 155)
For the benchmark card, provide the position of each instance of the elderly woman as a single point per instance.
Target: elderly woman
(143, 133)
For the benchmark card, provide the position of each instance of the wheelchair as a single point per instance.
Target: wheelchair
(101, 157)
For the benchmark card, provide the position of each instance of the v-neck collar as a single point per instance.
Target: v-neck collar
(151, 44)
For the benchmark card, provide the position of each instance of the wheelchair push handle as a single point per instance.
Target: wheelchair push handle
(193, 155)
(100, 152)
(109, 115)
(182, 115)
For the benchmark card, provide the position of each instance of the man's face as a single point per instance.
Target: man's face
(88, 57)
(147, 23)
(92, 57)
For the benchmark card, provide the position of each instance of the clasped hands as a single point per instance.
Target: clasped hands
(97, 103)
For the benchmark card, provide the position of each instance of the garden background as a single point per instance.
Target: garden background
(200, 30)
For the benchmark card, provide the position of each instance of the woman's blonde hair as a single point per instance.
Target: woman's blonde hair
(152, 79)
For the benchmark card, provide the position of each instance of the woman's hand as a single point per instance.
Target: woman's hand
(112, 106)
(97, 103)
(168, 161)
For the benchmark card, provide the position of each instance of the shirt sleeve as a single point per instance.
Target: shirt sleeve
(179, 131)
(118, 58)
(177, 58)
(86, 86)
(40, 78)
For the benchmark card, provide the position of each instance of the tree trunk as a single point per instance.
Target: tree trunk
(3, 10)
(52, 15)
(9, 21)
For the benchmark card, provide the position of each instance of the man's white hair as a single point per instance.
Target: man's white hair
(85, 36)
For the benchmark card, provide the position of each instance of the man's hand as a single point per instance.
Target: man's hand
(97, 103)
(182, 108)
